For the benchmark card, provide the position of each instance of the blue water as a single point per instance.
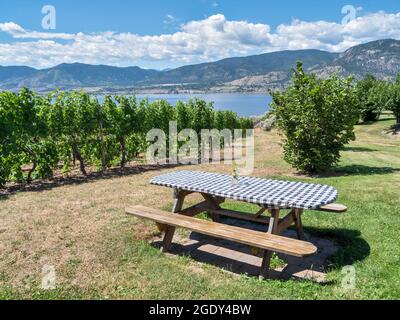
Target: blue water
(244, 105)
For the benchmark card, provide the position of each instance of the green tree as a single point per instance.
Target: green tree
(31, 132)
(120, 114)
(369, 94)
(74, 121)
(246, 123)
(40, 151)
(8, 148)
(394, 101)
(231, 120)
(183, 116)
(317, 118)
(202, 114)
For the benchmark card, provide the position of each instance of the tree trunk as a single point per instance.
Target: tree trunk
(32, 170)
(34, 163)
(78, 156)
(103, 156)
(123, 152)
(397, 122)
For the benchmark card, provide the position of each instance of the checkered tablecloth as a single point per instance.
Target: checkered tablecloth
(271, 194)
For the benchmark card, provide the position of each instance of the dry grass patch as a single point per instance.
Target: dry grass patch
(69, 226)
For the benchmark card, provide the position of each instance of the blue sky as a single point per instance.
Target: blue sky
(160, 34)
(147, 17)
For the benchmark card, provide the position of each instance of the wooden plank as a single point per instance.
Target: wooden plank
(260, 212)
(334, 207)
(213, 205)
(286, 222)
(162, 227)
(265, 265)
(181, 192)
(199, 208)
(210, 201)
(244, 236)
(179, 198)
(169, 235)
(195, 210)
(267, 255)
(273, 222)
(240, 215)
(298, 223)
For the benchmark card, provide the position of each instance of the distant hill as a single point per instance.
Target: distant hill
(235, 68)
(72, 76)
(247, 74)
(381, 58)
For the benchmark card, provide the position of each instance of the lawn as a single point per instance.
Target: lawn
(79, 227)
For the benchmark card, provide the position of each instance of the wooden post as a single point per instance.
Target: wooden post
(211, 201)
(298, 223)
(179, 197)
(272, 229)
(168, 237)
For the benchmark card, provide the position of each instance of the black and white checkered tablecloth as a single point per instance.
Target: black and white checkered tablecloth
(271, 194)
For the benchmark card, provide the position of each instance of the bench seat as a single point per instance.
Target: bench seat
(334, 207)
(264, 241)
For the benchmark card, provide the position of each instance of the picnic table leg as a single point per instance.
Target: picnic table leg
(211, 201)
(298, 223)
(179, 198)
(267, 256)
(169, 235)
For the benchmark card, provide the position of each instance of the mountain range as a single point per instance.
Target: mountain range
(242, 74)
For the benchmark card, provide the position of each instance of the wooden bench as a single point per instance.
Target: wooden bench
(267, 242)
(334, 207)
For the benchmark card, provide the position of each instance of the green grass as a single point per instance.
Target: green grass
(368, 180)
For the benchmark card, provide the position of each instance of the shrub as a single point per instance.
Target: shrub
(8, 119)
(369, 93)
(394, 101)
(246, 124)
(317, 118)
(120, 124)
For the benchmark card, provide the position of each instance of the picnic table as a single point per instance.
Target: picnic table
(271, 196)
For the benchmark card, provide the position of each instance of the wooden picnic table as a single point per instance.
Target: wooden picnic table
(272, 196)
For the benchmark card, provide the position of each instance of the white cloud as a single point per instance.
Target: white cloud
(20, 33)
(11, 28)
(170, 19)
(212, 38)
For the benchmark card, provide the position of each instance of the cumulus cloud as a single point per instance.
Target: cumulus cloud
(337, 37)
(212, 38)
(19, 32)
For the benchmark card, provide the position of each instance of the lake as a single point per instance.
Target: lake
(244, 105)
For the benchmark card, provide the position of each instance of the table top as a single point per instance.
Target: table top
(271, 194)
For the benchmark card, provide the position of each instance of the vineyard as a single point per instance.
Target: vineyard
(42, 134)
